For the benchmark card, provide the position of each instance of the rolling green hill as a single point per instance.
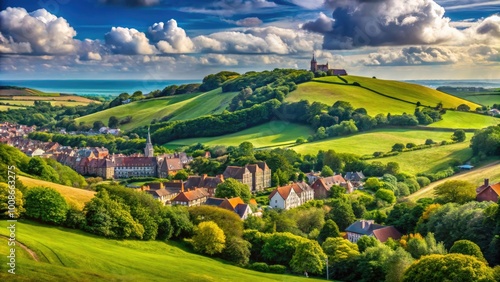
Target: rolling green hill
(431, 160)
(375, 95)
(367, 143)
(178, 107)
(273, 133)
(483, 96)
(71, 255)
(75, 196)
(456, 119)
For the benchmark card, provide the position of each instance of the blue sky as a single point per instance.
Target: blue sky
(165, 39)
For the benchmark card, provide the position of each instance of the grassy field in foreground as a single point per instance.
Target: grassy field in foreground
(476, 176)
(377, 140)
(322, 90)
(72, 195)
(71, 255)
(456, 119)
(431, 160)
(273, 133)
(179, 107)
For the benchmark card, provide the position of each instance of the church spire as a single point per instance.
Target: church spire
(149, 150)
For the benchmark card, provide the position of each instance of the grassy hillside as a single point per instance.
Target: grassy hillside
(476, 176)
(456, 119)
(273, 133)
(377, 140)
(179, 107)
(21, 91)
(433, 159)
(70, 255)
(398, 98)
(19, 96)
(10, 107)
(72, 195)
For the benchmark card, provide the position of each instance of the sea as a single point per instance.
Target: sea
(95, 87)
(116, 87)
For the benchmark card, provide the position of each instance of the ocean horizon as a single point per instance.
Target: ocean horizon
(114, 87)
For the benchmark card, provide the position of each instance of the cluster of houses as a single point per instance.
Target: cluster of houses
(9, 130)
(296, 194)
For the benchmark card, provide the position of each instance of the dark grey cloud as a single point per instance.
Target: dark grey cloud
(358, 23)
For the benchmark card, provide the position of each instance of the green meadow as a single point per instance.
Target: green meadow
(71, 255)
(380, 140)
(274, 133)
(178, 107)
(431, 160)
(397, 96)
(456, 119)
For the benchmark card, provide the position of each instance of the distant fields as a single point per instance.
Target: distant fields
(27, 97)
(6, 108)
(71, 255)
(179, 107)
(330, 89)
(431, 160)
(456, 119)
(486, 97)
(273, 133)
(367, 143)
(476, 176)
(72, 195)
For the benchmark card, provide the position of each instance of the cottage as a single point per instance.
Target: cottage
(208, 182)
(487, 192)
(369, 228)
(191, 198)
(322, 186)
(291, 196)
(234, 204)
(356, 178)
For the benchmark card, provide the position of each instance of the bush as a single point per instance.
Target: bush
(429, 142)
(260, 266)
(45, 204)
(277, 268)
(423, 181)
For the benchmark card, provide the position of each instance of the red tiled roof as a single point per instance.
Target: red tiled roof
(284, 191)
(383, 234)
(190, 195)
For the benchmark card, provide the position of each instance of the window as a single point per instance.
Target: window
(275, 201)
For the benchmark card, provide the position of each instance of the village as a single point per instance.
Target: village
(199, 190)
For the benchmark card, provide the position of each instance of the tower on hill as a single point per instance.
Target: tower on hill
(149, 150)
(315, 67)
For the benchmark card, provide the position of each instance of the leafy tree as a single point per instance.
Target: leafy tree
(38, 167)
(458, 136)
(486, 142)
(8, 199)
(330, 229)
(366, 242)
(398, 147)
(326, 171)
(98, 125)
(386, 195)
(373, 184)
(463, 108)
(419, 247)
(467, 247)
(341, 213)
(342, 255)
(429, 142)
(181, 175)
(455, 191)
(227, 220)
(392, 168)
(209, 238)
(174, 222)
(423, 181)
(451, 267)
(308, 257)
(279, 248)
(113, 122)
(397, 264)
(233, 188)
(237, 250)
(373, 263)
(309, 219)
(110, 218)
(45, 204)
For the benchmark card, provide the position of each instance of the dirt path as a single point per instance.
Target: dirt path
(31, 252)
(457, 176)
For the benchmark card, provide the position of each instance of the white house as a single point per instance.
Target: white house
(291, 196)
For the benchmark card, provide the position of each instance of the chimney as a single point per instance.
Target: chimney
(204, 176)
(221, 177)
(486, 182)
(182, 186)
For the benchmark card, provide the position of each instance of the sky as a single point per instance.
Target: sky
(188, 39)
